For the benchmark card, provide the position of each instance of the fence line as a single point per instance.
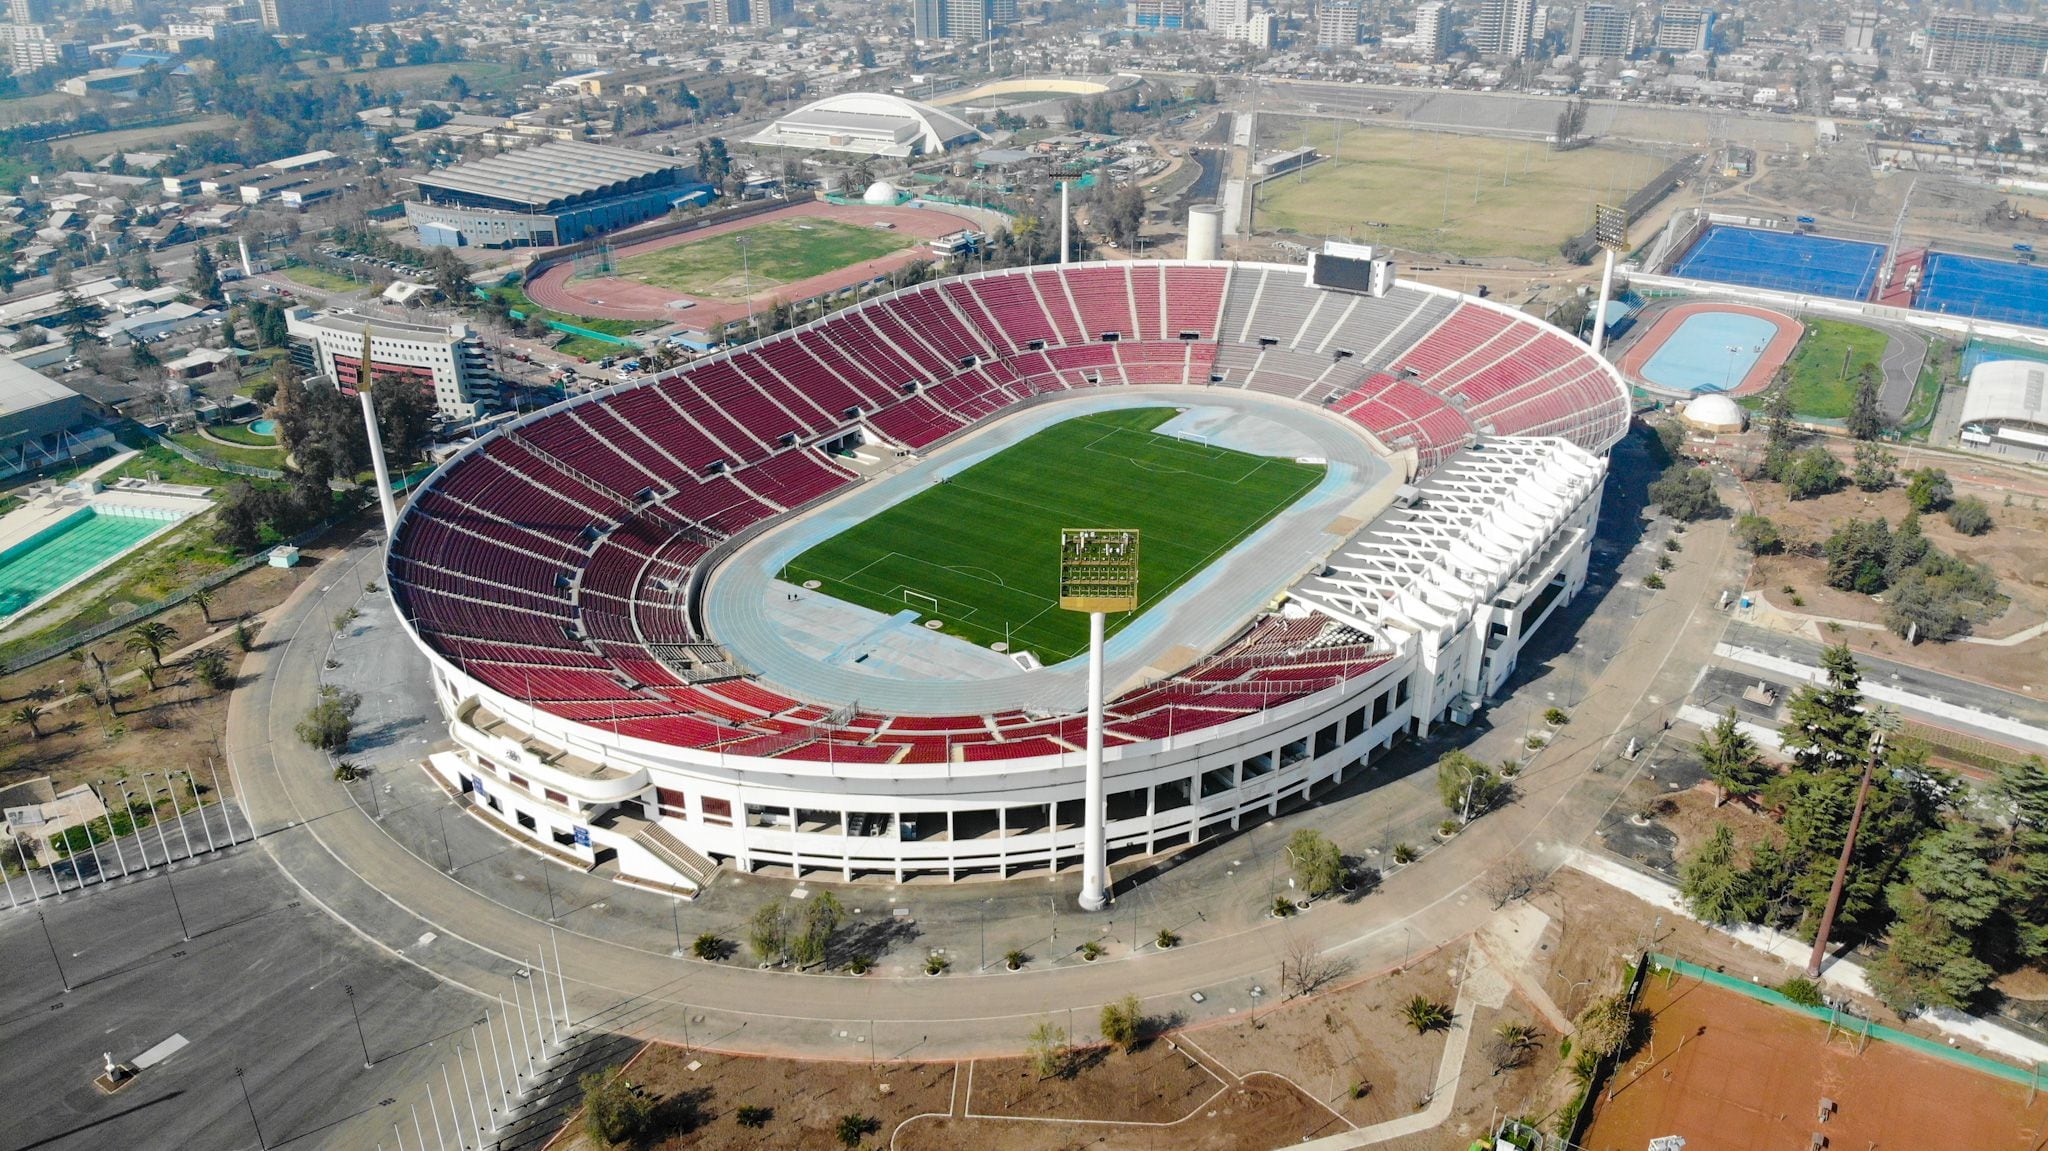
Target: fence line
(79, 639)
(209, 460)
(89, 866)
(1873, 1029)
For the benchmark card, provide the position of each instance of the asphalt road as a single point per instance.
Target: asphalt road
(1628, 663)
(258, 986)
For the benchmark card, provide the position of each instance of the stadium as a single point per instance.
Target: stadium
(786, 610)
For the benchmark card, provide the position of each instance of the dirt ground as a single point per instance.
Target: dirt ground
(1350, 1035)
(1692, 816)
(1751, 1075)
(1259, 1114)
(179, 724)
(2016, 551)
(1154, 1084)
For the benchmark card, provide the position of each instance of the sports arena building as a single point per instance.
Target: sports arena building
(869, 124)
(556, 574)
(2005, 412)
(554, 193)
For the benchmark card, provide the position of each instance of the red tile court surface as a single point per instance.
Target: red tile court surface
(1751, 1075)
(613, 298)
(1760, 373)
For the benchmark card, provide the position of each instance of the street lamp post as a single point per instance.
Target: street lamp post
(119, 855)
(350, 991)
(149, 799)
(253, 1121)
(199, 808)
(1834, 905)
(184, 932)
(61, 976)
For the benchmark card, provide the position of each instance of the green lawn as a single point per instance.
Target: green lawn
(254, 457)
(985, 545)
(240, 433)
(777, 252)
(321, 279)
(1433, 192)
(1821, 386)
(515, 297)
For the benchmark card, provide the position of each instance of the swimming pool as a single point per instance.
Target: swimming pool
(1710, 352)
(263, 427)
(63, 552)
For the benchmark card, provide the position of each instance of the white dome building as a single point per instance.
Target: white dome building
(882, 194)
(1713, 412)
(869, 124)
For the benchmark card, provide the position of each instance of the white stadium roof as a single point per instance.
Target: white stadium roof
(870, 123)
(1468, 532)
(2003, 391)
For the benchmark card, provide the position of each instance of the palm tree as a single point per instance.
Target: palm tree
(202, 598)
(28, 715)
(150, 640)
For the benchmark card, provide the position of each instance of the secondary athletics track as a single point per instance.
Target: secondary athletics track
(617, 298)
(1667, 324)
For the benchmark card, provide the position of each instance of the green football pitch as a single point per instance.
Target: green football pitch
(778, 252)
(980, 552)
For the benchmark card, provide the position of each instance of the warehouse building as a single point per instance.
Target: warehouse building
(555, 193)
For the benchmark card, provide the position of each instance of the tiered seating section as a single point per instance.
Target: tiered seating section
(549, 560)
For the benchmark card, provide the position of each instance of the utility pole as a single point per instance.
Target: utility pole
(1827, 919)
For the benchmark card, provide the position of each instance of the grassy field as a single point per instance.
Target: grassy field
(320, 278)
(985, 545)
(778, 252)
(1820, 386)
(1458, 195)
(240, 434)
(515, 296)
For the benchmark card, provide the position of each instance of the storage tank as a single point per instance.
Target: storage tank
(1205, 232)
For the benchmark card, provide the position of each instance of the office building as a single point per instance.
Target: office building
(1260, 30)
(1337, 24)
(1432, 29)
(450, 359)
(970, 20)
(1156, 15)
(1603, 32)
(1860, 33)
(761, 15)
(302, 17)
(1504, 28)
(1969, 44)
(28, 11)
(1221, 14)
(1684, 28)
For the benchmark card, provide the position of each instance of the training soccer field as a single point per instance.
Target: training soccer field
(980, 552)
(777, 252)
(1458, 195)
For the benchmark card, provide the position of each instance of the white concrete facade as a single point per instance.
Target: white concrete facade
(1450, 586)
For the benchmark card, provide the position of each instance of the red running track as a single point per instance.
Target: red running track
(1774, 355)
(617, 298)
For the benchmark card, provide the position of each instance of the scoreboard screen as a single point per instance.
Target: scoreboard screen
(1345, 267)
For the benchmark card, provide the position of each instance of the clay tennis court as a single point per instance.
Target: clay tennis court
(1750, 1075)
(1639, 361)
(617, 298)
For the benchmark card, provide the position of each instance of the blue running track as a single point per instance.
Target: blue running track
(1785, 262)
(1985, 289)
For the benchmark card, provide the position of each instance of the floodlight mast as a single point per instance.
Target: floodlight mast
(1610, 231)
(385, 503)
(1098, 575)
(1066, 174)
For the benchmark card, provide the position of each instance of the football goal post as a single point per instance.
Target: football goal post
(919, 599)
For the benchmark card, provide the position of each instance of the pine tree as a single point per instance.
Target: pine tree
(1826, 727)
(1731, 759)
(1714, 888)
(1866, 417)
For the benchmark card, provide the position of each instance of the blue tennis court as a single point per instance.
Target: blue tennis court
(1785, 262)
(1985, 289)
